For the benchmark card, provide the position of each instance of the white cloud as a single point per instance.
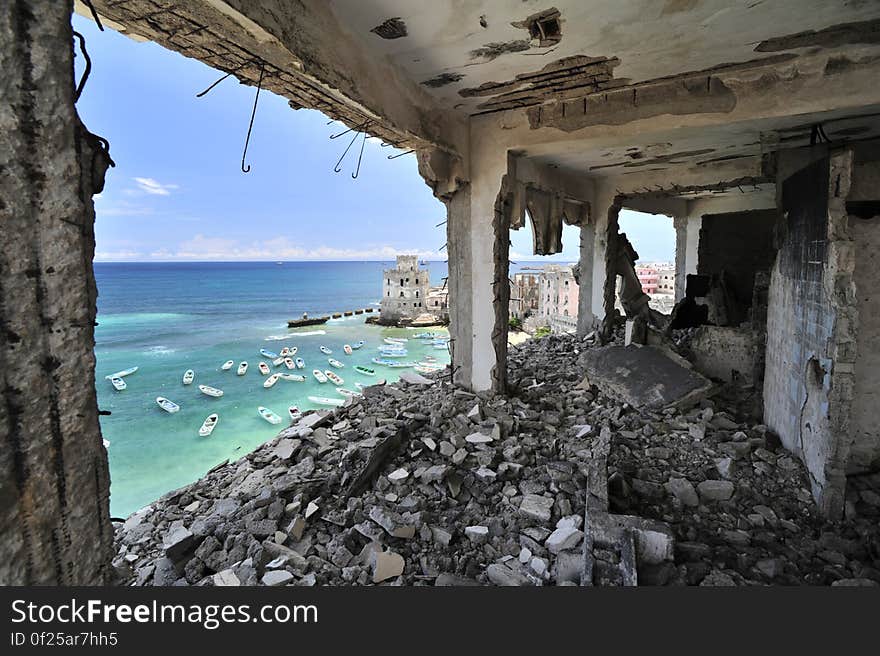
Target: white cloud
(117, 256)
(151, 186)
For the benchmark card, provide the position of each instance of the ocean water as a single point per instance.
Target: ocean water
(166, 318)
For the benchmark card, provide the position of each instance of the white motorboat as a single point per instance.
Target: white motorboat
(209, 424)
(358, 344)
(300, 363)
(348, 392)
(277, 362)
(285, 352)
(242, 369)
(207, 390)
(347, 349)
(294, 378)
(396, 341)
(268, 415)
(326, 351)
(333, 378)
(319, 375)
(293, 351)
(122, 374)
(188, 376)
(294, 413)
(166, 405)
(226, 366)
(335, 363)
(264, 368)
(268, 354)
(118, 383)
(290, 364)
(271, 380)
(324, 400)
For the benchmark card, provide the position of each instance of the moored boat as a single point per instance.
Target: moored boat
(209, 424)
(226, 366)
(300, 363)
(427, 335)
(347, 349)
(293, 350)
(207, 390)
(166, 405)
(268, 354)
(188, 376)
(348, 392)
(335, 363)
(285, 352)
(277, 362)
(360, 386)
(333, 378)
(358, 344)
(242, 369)
(264, 368)
(326, 351)
(268, 415)
(122, 374)
(118, 383)
(394, 353)
(271, 380)
(394, 364)
(289, 363)
(324, 400)
(395, 340)
(294, 378)
(319, 375)
(425, 369)
(366, 371)
(294, 413)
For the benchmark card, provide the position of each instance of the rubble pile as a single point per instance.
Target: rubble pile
(419, 483)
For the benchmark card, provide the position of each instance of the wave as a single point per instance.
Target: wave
(159, 350)
(109, 320)
(279, 338)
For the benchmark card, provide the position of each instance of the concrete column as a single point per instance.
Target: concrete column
(586, 319)
(687, 244)
(471, 238)
(603, 204)
(54, 481)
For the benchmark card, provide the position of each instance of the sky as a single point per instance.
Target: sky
(177, 191)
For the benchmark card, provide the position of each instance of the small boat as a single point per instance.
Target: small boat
(441, 346)
(430, 358)
(366, 371)
(347, 349)
(289, 363)
(271, 380)
(294, 413)
(277, 362)
(264, 368)
(333, 378)
(207, 390)
(393, 354)
(166, 405)
(326, 351)
(294, 378)
(319, 375)
(122, 374)
(209, 424)
(348, 392)
(324, 400)
(268, 415)
(226, 366)
(188, 376)
(293, 350)
(425, 336)
(268, 354)
(285, 352)
(395, 340)
(335, 363)
(393, 363)
(423, 369)
(242, 369)
(358, 344)
(300, 363)
(118, 383)
(360, 386)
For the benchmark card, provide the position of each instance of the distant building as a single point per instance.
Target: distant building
(438, 303)
(558, 298)
(525, 295)
(404, 291)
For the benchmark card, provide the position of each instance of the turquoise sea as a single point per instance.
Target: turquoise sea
(166, 318)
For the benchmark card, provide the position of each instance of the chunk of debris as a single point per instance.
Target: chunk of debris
(392, 28)
(387, 565)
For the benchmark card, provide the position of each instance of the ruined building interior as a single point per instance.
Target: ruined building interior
(753, 125)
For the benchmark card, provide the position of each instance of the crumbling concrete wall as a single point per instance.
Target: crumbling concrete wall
(724, 353)
(865, 231)
(54, 480)
(810, 326)
(739, 244)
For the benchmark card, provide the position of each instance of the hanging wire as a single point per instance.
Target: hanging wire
(409, 152)
(88, 3)
(360, 157)
(358, 128)
(338, 168)
(88, 68)
(246, 169)
(199, 95)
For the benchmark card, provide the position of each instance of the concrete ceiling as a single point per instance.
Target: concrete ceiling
(454, 47)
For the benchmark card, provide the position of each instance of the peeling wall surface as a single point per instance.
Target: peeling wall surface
(54, 480)
(810, 346)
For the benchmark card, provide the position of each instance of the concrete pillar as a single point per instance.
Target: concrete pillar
(586, 319)
(603, 208)
(473, 269)
(687, 244)
(54, 482)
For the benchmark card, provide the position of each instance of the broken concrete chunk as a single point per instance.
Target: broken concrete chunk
(225, 578)
(504, 576)
(537, 507)
(478, 438)
(392, 523)
(276, 577)
(398, 475)
(387, 565)
(683, 490)
(715, 490)
(563, 538)
(177, 542)
(477, 534)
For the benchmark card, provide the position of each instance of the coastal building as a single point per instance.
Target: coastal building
(525, 295)
(438, 303)
(404, 291)
(558, 298)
